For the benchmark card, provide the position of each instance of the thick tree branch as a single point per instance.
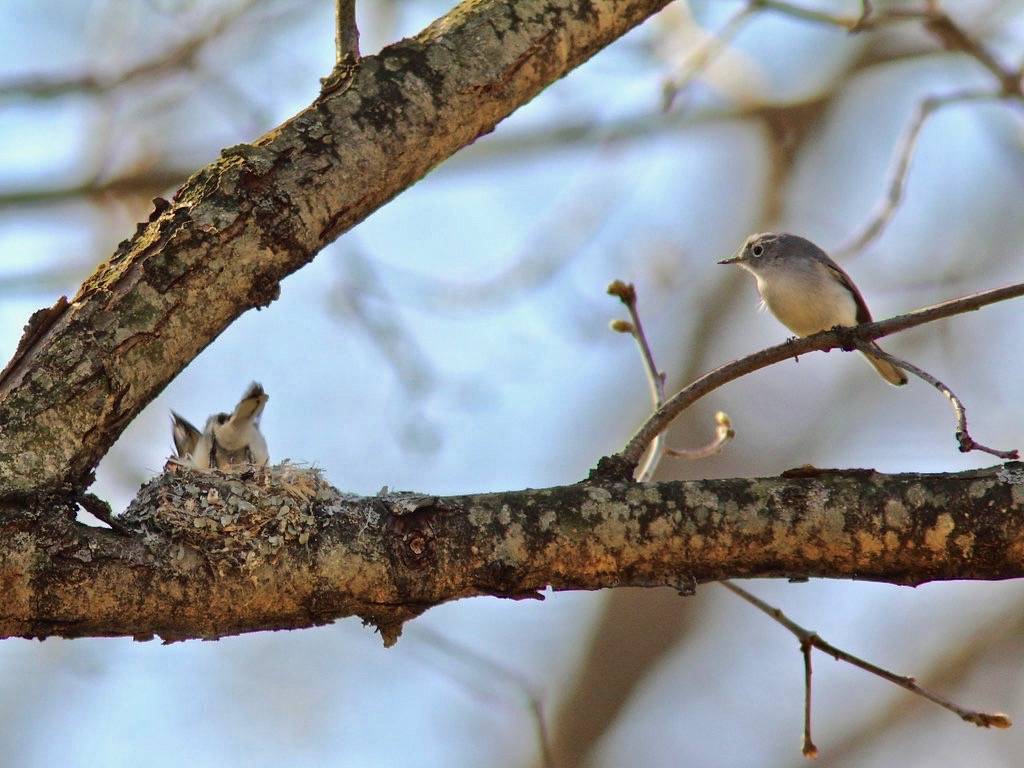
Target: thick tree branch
(264, 210)
(217, 555)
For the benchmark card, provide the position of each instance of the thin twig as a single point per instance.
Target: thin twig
(807, 637)
(945, 671)
(963, 436)
(182, 57)
(471, 658)
(723, 434)
(808, 749)
(655, 379)
(952, 37)
(844, 338)
(703, 55)
(656, 383)
(346, 33)
(932, 18)
(898, 178)
(868, 19)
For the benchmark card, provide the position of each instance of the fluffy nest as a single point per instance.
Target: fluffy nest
(242, 519)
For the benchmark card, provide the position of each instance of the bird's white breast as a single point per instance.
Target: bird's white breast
(807, 301)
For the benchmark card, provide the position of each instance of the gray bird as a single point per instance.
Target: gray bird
(228, 439)
(806, 290)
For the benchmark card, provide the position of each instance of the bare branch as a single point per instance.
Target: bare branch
(346, 33)
(932, 18)
(898, 177)
(963, 437)
(810, 14)
(626, 293)
(655, 379)
(837, 338)
(143, 183)
(947, 670)
(867, 19)
(703, 55)
(534, 701)
(808, 749)
(181, 57)
(723, 434)
(213, 555)
(808, 638)
(656, 382)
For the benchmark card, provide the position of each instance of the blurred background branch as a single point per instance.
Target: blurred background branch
(183, 56)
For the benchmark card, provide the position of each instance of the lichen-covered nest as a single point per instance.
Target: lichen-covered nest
(239, 519)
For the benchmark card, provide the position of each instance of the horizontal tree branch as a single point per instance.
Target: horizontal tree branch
(86, 367)
(214, 555)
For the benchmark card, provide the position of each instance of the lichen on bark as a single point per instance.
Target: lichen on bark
(388, 558)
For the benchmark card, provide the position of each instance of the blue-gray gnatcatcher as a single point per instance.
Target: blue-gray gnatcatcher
(806, 290)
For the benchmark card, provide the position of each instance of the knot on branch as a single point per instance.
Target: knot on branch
(611, 469)
(410, 521)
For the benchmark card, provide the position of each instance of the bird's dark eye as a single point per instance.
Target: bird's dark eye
(757, 250)
(222, 418)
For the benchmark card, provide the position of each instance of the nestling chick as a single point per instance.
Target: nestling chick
(227, 440)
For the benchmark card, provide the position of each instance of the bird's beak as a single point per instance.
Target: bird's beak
(733, 260)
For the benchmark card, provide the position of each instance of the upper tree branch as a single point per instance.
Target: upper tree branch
(932, 18)
(313, 555)
(264, 210)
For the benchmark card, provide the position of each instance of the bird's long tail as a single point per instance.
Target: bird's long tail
(886, 370)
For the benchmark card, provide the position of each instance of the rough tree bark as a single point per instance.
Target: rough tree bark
(212, 555)
(243, 223)
(319, 554)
